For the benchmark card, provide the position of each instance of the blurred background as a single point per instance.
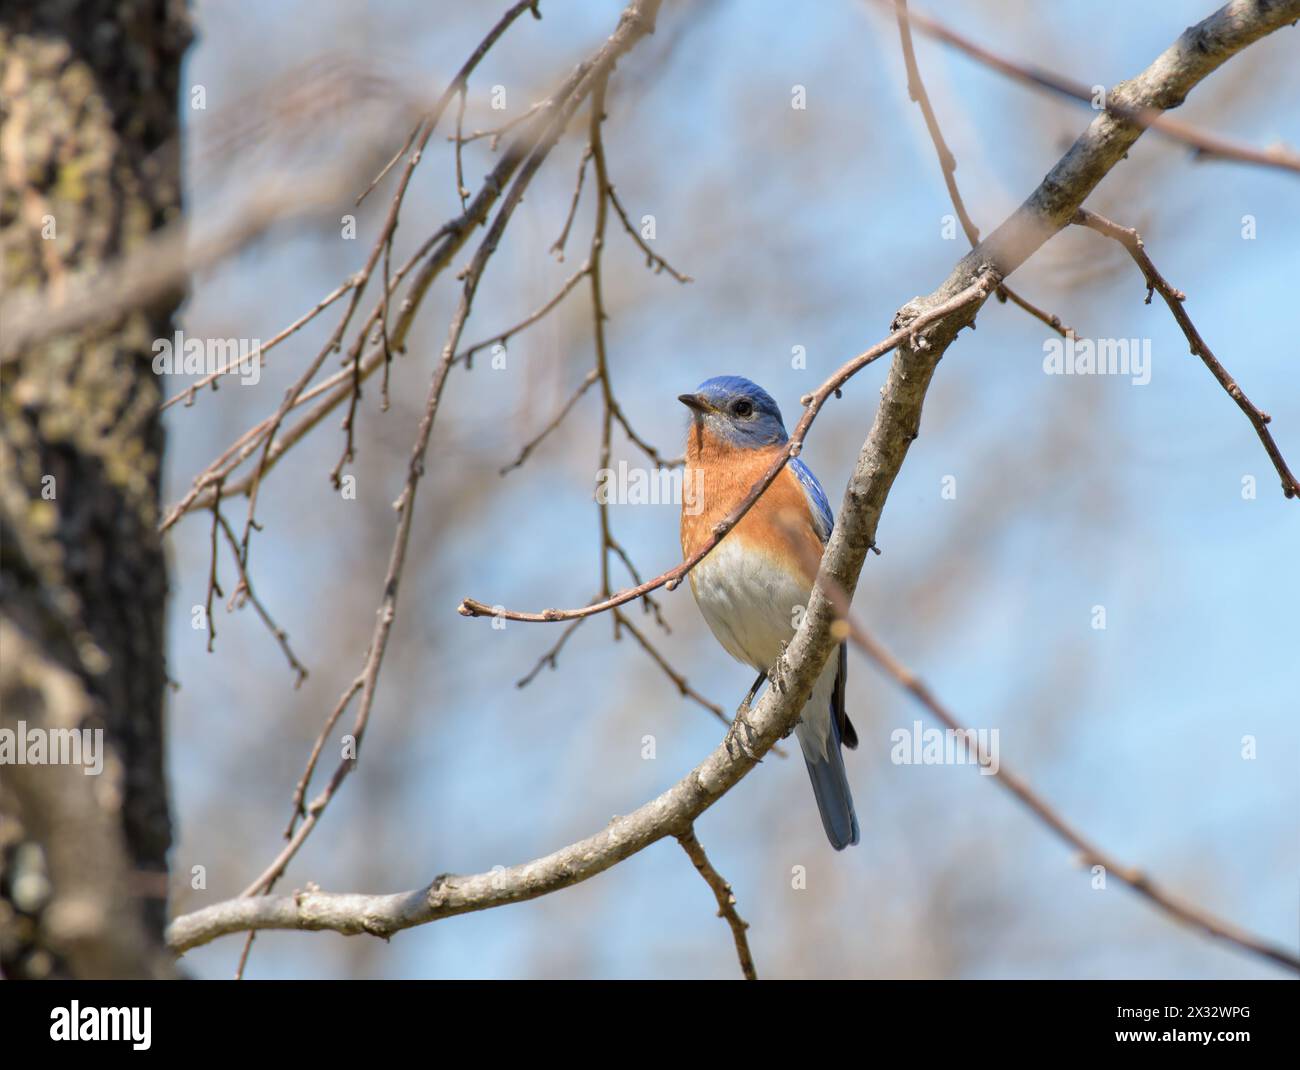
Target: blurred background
(802, 228)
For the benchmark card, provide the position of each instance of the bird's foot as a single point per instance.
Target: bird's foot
(740, 736)
(777, 672)
(744, 706)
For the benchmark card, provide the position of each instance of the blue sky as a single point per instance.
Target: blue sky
(801, 229)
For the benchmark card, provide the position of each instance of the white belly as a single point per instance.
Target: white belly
(752, 607)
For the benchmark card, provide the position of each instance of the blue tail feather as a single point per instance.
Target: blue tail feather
(834, 801)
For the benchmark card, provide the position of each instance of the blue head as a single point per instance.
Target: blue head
(736, 410)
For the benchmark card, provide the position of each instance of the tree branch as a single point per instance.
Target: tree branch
(637, 21)
(925, 327)
(726, 900)
(1259, 420)
(948, 165)
(1248, 14)
(1089, 853)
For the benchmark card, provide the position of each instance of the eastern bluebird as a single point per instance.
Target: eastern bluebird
(753, 585)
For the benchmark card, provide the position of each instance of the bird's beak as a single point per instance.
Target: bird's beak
(695, 403)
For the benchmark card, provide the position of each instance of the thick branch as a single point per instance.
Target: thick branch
(1198, 52)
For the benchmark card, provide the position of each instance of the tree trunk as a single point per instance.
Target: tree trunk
(89, 167)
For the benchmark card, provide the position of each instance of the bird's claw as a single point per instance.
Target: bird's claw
(740, 737)
(776, 674)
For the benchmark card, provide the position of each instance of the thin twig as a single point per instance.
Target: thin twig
(656, 458)
(555, 422)
(557, 247)
(1088, 852)
(551, 656)
(637, 21)
(214, 587)
(304, 781)
(1205, 144)
(189, 393)
(948, 165)
(725, 897)
(1174, 298)
(461, 191)
(649, 604)
(679, 681)
(243, 956)
(497, 132)
(244, 589)
(383, 329)
(653, 259)
(467, 354)
(598, 317)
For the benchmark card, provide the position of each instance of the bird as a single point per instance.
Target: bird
(753, 587)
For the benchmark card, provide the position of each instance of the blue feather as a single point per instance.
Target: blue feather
(823, 518)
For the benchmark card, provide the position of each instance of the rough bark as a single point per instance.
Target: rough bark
(89, 150)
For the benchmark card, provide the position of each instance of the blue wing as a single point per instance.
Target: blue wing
(829, 779)
(823, 518)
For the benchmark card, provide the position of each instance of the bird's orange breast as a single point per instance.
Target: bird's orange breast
(779, 524)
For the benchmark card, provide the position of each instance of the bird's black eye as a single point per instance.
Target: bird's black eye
(742, 408)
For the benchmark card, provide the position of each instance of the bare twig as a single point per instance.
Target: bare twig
(304, 781)
(726, 900)
(214, 587)
(551, 656)
(679, 681)
(557, 247)
(497, 132)
(1089, 853)
(467, 354)
(652, 259)
(1259, 420)
(244, 589)
(1118, 101)
(461, 191)
(190, 392)
(598, 317)
(243, 956)
(948, 165)
(555, 422)
(656, 458)
(637, 20)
